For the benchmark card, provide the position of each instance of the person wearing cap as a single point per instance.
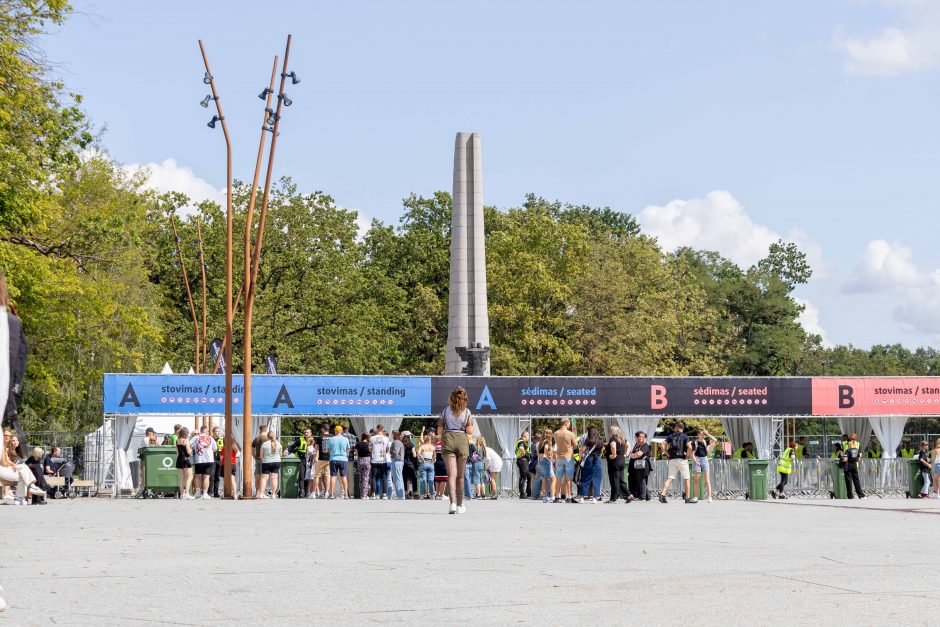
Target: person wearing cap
(339, 458)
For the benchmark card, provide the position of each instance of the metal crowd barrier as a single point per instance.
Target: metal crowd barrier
(811, 478)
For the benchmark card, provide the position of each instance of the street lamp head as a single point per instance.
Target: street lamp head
(293, 77)
(287, 101)
(214, 119)
(264, 93)
(205, 102)
(207, 79)
(272, 118)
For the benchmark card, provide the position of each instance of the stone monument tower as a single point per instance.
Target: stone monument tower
(468, 327)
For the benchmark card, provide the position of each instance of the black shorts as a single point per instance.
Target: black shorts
(271, 469)
(337, 468)
(183, 464)
(204, 469)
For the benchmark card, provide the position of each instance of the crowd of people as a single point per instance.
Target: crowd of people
(23, 477)
(453, 463)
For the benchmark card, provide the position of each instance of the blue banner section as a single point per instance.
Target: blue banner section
(270, 394)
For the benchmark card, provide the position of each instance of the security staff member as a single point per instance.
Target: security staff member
(784, 467)
(299, 448)
(801, 448)
(907, 451)
(217, 474)
(874, 451)
(850, 456)
(744, 452)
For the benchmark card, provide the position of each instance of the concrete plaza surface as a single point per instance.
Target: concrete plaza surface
(134, 562)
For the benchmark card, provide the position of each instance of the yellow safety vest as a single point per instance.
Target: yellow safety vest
(800, 451)
(874, 454)
(219, 443)
(907, 452)
(785, 463)
(738, 454)
(302, 449)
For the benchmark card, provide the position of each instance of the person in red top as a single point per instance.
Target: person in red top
(234, 464)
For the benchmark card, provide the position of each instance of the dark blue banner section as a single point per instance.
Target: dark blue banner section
(270, 394)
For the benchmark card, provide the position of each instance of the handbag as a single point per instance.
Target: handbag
(579, 467)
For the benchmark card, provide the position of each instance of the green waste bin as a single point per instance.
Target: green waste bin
(697, 488)
(159, 467)
(838, 480)
(758, 471)
(913, 478)
(290, 475)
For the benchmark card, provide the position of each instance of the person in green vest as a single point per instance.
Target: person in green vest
(218, 470)
(839, 447)
(784, 467)
(746, 451)
(299, 448)
(801, 448)
(907, 451)
(874, 450)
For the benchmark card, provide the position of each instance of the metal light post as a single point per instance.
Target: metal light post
(271, 124)
(219, 117)
(247, 460)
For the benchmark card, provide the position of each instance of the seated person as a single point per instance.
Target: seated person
(53, 465)
(34, 462)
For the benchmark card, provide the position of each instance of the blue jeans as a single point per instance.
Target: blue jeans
(426, 475)
(388, 479)
(537, 486)
(379, 474)
(591, 475)
(397, 481)
(466, 480)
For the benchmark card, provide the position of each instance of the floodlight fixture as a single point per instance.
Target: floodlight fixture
(294, 79)
(205, 101)
(287, 101)
(264, 93)
(214, 119)
(207, 79)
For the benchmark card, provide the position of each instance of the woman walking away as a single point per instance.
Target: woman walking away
(591, 466)
(409, 476)
(455, 427)
(475, 453)
(426, 468)
(616, 452)
(271, 452)
(639, 467)
(784, 467)
(546, 468)
(702, 449)
(923, 457)
(364, 452)
(184, 464)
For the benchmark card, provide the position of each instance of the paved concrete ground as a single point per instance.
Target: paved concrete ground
(127, 562)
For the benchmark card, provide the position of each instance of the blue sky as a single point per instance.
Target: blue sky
(722, 125)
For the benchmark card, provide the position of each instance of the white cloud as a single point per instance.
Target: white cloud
(719, 222)
(884, 266)
(169, 176)
(920, 307)
(895, 50)
(809, 320)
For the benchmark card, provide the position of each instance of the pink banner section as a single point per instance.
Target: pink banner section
(889, 396)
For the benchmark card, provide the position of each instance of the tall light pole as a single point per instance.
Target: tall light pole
(209, 80)
(266, 95)
(272, 121)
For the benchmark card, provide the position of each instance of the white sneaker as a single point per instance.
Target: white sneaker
(365, 498)
(198, 494)
(593, 500)
(461, 509)
(383, 497)
(453, 508)
(206, 495)
(189, 497)
(709, 499)
(35, 490)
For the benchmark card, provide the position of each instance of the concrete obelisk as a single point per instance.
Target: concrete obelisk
(468, 321)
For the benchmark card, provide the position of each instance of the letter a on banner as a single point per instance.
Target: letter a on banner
(130, 396)
(486, 399)
(283, 397)
(658, 398)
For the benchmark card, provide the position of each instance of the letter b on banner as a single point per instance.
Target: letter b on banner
(658, 398)
(846, 398)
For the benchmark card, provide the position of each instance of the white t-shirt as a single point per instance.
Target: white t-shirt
(379, 448)
(204, 448)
